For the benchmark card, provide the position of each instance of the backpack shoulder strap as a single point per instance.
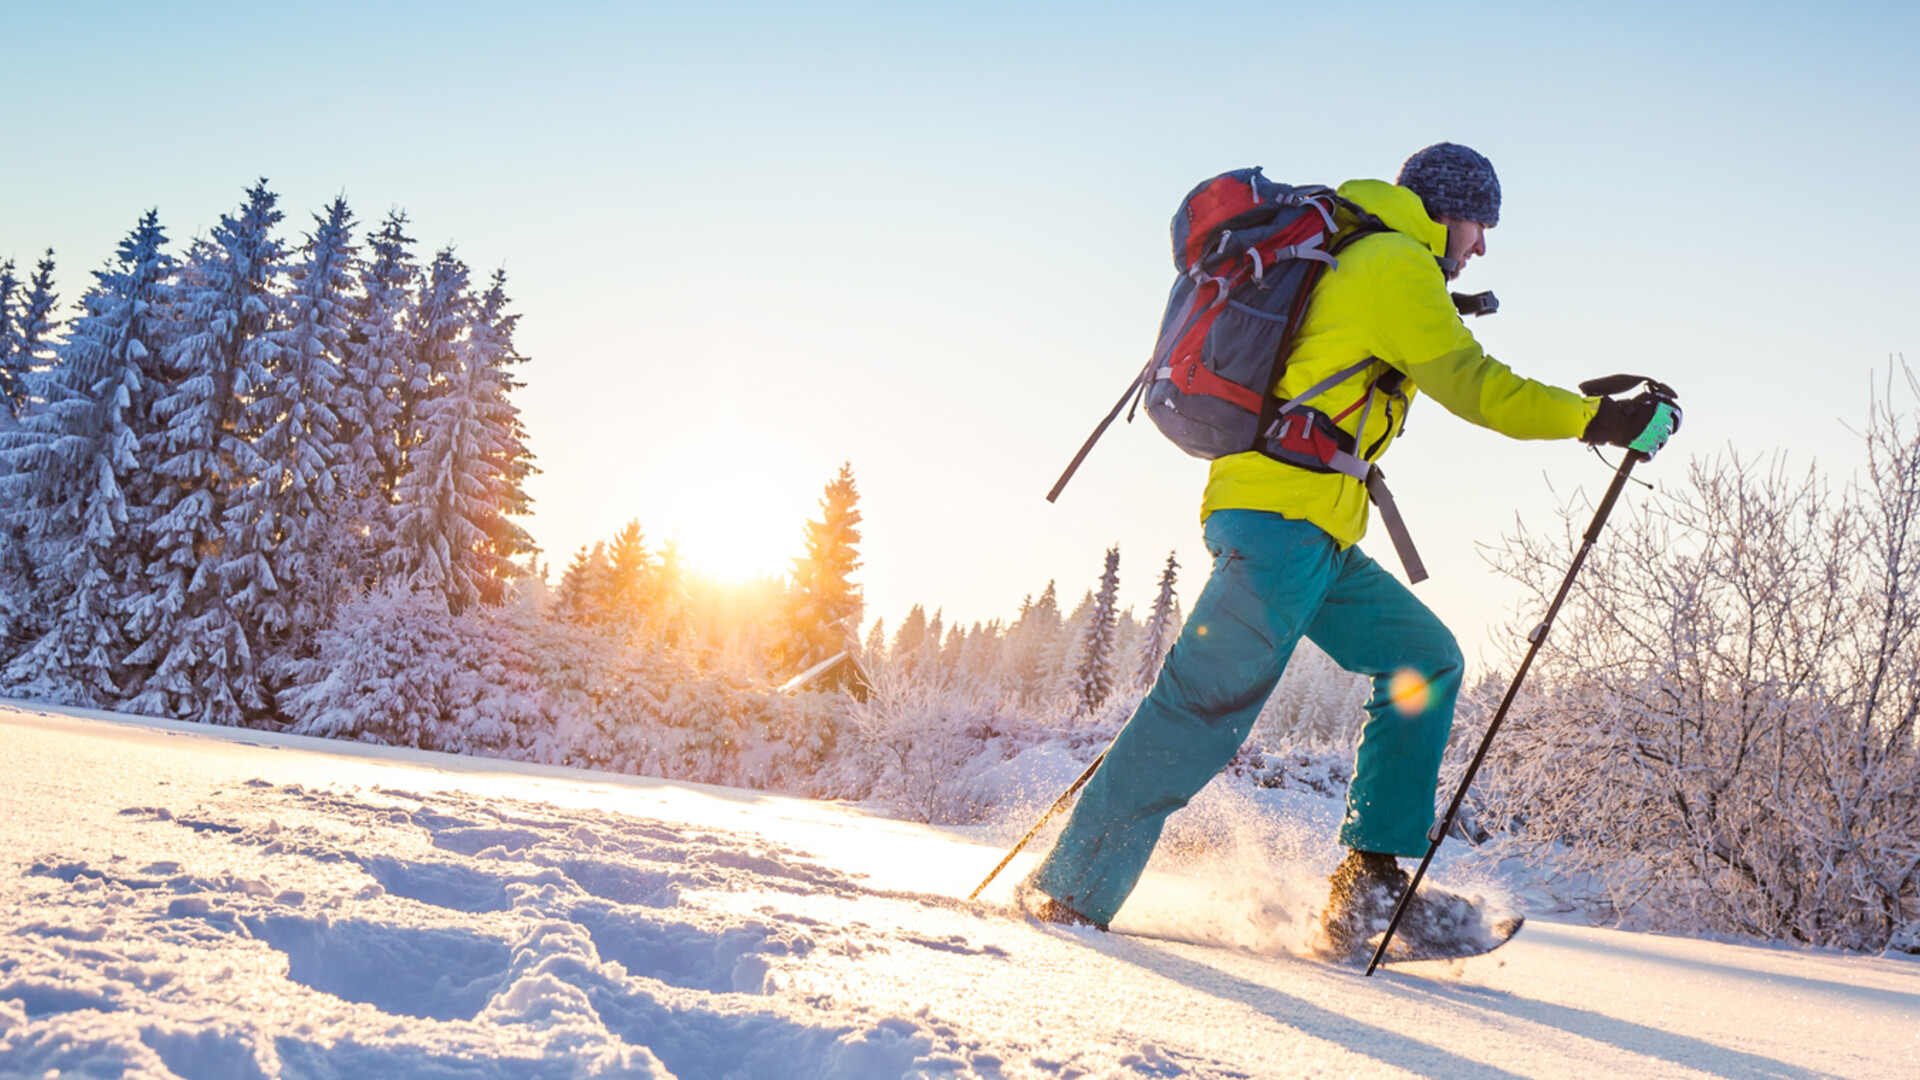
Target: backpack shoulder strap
(1364, 224)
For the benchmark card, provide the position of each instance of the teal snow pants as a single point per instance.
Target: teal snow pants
(1273, 580)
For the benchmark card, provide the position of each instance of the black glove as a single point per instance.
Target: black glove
(1644, 422)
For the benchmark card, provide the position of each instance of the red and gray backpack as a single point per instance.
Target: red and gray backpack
(1248, 252)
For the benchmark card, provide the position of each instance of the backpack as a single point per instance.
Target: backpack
(1248, 252)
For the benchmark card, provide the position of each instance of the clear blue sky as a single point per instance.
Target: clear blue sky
(752, 241)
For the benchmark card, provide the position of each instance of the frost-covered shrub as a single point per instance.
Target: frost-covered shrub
(920, 744)
(1720, 733)
(917, 745)
(396, 667)
(635, 707)
(1326, 773)
(1906, 939)
(1318, 705)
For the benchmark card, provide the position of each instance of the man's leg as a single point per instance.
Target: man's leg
(1371, 624)
(1268, 576)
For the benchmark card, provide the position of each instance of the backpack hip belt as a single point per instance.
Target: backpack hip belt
(1307, 438)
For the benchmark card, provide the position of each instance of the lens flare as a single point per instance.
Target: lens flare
(1409, 692)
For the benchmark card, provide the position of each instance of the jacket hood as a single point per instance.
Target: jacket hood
(1401, 209)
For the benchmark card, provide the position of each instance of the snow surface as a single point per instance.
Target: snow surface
(205, 903)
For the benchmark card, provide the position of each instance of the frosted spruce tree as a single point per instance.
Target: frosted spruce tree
(1094, 660)
(464, 454)
(69, 483)
(578, 598)
(1161, 626)
(1031, 640)
(909, 650)
(27, 328)
(369, 411)
(197, 636)
(492, 349)
(13, 390)
(1062, 661)
(630, 580)
(823, 606)
(277, 524)
(31, 326)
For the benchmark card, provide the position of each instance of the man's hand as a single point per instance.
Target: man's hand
(1644, 422)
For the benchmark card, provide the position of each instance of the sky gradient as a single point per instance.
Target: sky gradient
(752, 241)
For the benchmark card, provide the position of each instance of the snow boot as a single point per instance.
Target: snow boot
(1367, 886)
(1048, 910)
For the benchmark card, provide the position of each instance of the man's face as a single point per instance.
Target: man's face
(1465, 239)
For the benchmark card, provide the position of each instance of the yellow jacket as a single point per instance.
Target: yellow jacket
(1387, 299)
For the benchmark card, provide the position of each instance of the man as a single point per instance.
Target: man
(1285, 564)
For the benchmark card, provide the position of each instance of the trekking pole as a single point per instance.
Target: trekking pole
(1059, 804)
(1537, 638)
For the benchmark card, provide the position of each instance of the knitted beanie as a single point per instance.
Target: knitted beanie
(1454, 181)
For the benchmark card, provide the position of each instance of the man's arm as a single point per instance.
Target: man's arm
(1416, 329)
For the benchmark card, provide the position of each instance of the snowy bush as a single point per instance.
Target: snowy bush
(1721, 733)
(1318, 705)
(397, 667)
(921, 745)
(632, 706)
(918, 745)
(1906, 939)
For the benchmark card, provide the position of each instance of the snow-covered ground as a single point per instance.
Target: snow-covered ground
(179, 901)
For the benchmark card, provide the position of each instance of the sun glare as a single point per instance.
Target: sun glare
(1409, 692)
(735, 517)
(731, 547)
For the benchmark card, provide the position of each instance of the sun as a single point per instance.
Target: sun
(729, 547)
(734, 516)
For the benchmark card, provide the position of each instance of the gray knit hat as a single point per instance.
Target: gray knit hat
(1454, 181)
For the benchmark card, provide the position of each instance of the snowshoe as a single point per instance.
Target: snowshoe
(1048, 910)
(1442, 925)
(1438, 925)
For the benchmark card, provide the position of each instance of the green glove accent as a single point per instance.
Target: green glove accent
(1666, 420)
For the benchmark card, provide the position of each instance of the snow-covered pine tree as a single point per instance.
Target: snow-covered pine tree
(630, 579)
(952, 652)
(874, 652)
(1160, 628)
(27, 338)
(370, 396)
(580, 596)
(929, 662)
(1023, 667)
(465, 455)
(909, 642)
(193, 632)
(1127, 634)
(66, 474)
(32, 326)
(672, 618)
(36, 323)
(437, 493)
(15, 569)
(13, 391)
(1093, 661)
(491, 348)
(823, 607)
(276, 525)
(1062, 659)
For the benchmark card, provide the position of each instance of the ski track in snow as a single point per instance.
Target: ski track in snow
(180, 902)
